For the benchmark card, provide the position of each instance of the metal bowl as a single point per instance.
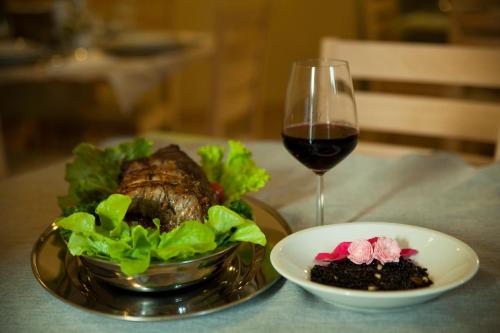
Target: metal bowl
(161, 276)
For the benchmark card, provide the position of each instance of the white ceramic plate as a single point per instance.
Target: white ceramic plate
(450, 262)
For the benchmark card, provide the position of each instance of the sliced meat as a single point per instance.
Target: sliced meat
(168, 185)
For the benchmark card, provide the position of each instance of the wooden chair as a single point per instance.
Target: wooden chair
(427, 116)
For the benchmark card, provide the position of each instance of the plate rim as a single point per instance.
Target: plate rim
(52, 228)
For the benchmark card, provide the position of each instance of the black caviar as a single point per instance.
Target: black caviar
(402, 275)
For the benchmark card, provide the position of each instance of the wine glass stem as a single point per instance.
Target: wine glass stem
(320, 207)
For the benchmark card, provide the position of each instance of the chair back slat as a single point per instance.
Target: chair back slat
(429, 116)
(418, 63)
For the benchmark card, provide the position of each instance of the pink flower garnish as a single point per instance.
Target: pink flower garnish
(407, 252)
(339, 253)
(360, 252)
(386, 250)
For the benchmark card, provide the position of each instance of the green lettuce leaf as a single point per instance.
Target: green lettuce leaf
(190, 238)
(78, 222)
(229, 226)
(223, 219)
(134, 247)
(250, 232)
(112, 211)
(137, 259)
(94, 173)
(211, 162)
(96, 244)
(238, 174)
(80, 244)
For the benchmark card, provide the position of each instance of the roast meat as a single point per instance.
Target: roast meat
(168, 185)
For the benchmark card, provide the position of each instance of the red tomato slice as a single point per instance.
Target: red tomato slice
(219, 192)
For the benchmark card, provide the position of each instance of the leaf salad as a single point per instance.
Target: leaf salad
(93, 215)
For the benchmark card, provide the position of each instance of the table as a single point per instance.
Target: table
(129, 76)
(439, 191)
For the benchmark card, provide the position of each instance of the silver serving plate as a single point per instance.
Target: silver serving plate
(245, 273)
(161, 276)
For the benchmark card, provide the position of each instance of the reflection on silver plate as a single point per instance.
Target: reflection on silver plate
(248, 274)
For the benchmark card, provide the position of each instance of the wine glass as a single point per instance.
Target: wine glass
(320, 126)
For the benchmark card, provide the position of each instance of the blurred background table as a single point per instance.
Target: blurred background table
(438, 191)
(132, 65)
(98, 89)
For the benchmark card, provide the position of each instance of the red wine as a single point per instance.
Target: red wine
(321, 146)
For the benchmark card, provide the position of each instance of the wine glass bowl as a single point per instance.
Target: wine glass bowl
(320, 146)
(320, 126)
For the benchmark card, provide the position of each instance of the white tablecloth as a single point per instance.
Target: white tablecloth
(439, 192)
